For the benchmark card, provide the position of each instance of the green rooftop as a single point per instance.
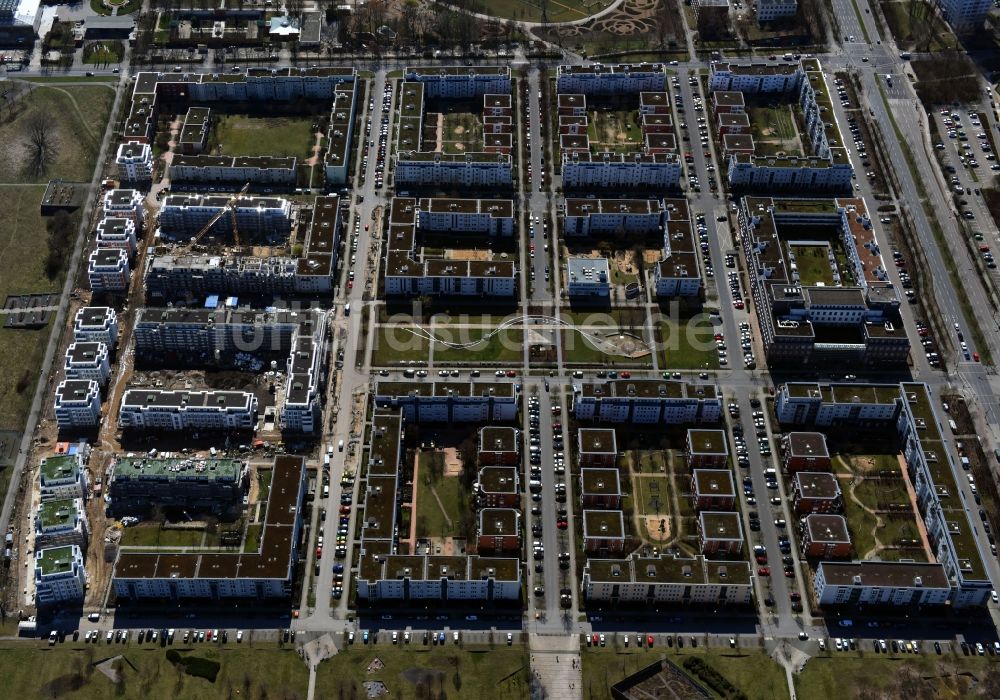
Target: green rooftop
(59, 467)
(55, 560)
(60, 513)
(173, 469)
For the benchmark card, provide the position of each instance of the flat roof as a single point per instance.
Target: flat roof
(55, 560)
(178, 469)
(717, 525)
(668, 569)
(499, 479)
(818, 485)
(884, 574)
(600, 481)
(827, 528)
(707, 442)
(59, 467)
(597, 441)
(647, 389)
(713, 482)
(499, 521)
(497, 438)
(57, 513)
(807, 444)
(603, 524)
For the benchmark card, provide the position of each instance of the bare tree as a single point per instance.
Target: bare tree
(42, 146)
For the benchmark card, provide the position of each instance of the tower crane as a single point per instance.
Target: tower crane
(228, 208)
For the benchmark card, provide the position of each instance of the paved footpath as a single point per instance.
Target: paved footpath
(555, 662)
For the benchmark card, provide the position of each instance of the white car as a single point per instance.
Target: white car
(239, 636)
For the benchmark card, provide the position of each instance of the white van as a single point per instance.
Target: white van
(340, 445)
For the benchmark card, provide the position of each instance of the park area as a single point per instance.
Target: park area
(242, 135)
(813, 264)
(505, 346)
(542, 10)
(614, 131)
(396, 344)
(455, 132)
(917, 26)
(687, 343)
(774, 131)
(442, 503)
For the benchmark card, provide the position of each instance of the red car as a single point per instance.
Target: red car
(562, 524)
(350, 284)
(795, 596)
(790, 573)
(763, 571)
(345, 510)
(511, 373)
(975, 356)
(595, 640)
(649, 640)
(625, 375)
(761, 559)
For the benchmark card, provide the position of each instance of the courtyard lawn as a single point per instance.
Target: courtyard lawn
(31, 670)
(241, 135)
(750, 671)
(414, 670)
(689, 344)
(440, 516)
(505, 346)
(773, 130)
(614, 130)
(860, 523)
(813, 264)
(103, 52)
(394, 344)
(462, 132)
(149, 534)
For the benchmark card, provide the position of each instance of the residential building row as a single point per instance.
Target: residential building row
(647, 401)
(667, 579)
(155, 410)
(450, 401)
(137, 484)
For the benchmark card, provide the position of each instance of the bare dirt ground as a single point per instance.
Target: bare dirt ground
(468, 254)
(452, 462)
(652, 523)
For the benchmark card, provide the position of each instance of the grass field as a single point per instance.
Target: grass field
(505, 346)
(651, 494)
(103, 52)
(751, 671)
(77, 116)
(531, 11)
(417, 671)
(31, 671)
(578, 350)
(432, 520)
(394, 344)
(151, 535)
(240, 135)
(857, 675)
(923, 31)
(614, 131)
(773, 130)
(688, 343)
(813, 264)
(462, 132)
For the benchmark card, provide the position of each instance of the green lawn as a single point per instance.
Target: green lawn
(396, 344)
(614, 131)
(651, 494)
(103, 52)
(924, 30)
(418, 671)
(252, 542)
(432, 521)
(150, 535)
(751, 671)
(31, 670)
(505, 346)
(813, 264)
(578, 350)
(240, 135)
(689, 344)
(77, 116)
(873, 675)
(461, 132)
(529, 11)
(773, 130)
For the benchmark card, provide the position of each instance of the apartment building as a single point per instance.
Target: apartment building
(728, 102)
(498, 105)
(805, 451)
(654, 103)
(117, 233)
(571, 105)
(77, 404)
(499, 446)
(817, 311)
(157, 410)
(96, 324)
(825, 536)
(597, 447)
(599, 79)
(60, 576)
(499, 531)
(588, 278)
(135, 162)
(600, 488)
(125, 204)
(499, 487)
(720, 533)
(459, 82)
(907, 584)
(450, 402)
(237, 170)
(340, 132)
(86, 361)
(454, 215)
(667, 579)
(217, 486)
(582, 170)
(261, 575)
(825, 405)
(108, 271)
(755, 77)
(676, 273)
(405, 275)
(480, 170)
(62, 477)
(965, 16)
(730, 124)
(605, 217)
(816, 492)
(770, 10)
(706, 449)
(60, 523)
(183, 216)
(713, 489)
(384, 576)
(194, 130)
(647, 401)
(603, 531)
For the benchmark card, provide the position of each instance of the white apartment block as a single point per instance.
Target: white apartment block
(156, 410)
(264, 170)
(60, 576)
(770, 10)
(96, 324)
(63, 476)
(61, 522)
(421, 577)
(965, 16)
(302, 409)
(78, 404)
(603, 217)
(449, 402)
(183, 216)
(478, 170)
(339, 133)
(755, 77)
(135, 162)
(129, 204)
(647, 401)
(87, 361)
(620, 170)
(461, 81)
(788, 173)
(488, 217)
(668, 580)
(588, 278)
(824, 405)
(108, 270)
(622, 78)
(117, 233)
(881, 583)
